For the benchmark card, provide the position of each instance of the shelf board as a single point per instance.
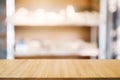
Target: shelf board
(52, 57)
(45, 54)
(56, 25)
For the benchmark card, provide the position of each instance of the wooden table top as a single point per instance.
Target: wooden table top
(59, 68)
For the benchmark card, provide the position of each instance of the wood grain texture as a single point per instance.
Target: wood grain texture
(46, 68)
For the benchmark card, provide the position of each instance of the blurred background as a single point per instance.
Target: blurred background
(60, 29)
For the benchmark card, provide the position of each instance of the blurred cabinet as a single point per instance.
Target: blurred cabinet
(2, 29)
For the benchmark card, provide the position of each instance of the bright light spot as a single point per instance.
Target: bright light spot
(21, 16)
(70, 11)
(37, 17)
(112, 5)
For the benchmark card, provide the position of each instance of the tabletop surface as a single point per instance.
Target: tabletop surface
(60, 68)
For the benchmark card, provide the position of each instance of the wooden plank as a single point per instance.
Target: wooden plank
(47, 68)
(52, 57)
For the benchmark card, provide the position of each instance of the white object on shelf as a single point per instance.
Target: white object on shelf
(22, 48)
(74, 47)
(40, 17)
(70, 12)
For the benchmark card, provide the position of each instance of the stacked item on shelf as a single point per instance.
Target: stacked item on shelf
(50, 48)
(66, 16)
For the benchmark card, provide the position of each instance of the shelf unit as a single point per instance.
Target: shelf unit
(21, 30)
(102, 29)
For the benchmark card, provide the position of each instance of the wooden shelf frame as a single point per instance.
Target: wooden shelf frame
(102, 29)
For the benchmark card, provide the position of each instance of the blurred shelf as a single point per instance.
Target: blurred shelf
(47, 53)
(53, 57)
(56, 25)
(53, 26)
